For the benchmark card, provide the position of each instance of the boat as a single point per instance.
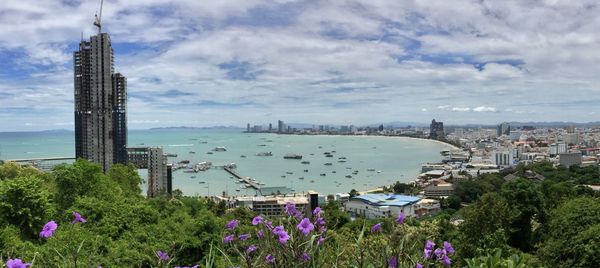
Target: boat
(261, 145)
(342, 158)
(312, 154)
(341, 161)
(370, 169)
(333, 171)
(242, 156)
(283, 176)
(289, 172)
(326, 153)
(209, 153)
(306, 170)
(329, 155)
(334, 151)
(189, 171)
(301, 178)
(292, 156)
(312, 181)
(192, 152)
(264, 154)
(348, 176)
(171, 155)
(230, 165)
(184, 162)
(305, 162)
(220, 149)
(328, 164)
(323, 174)
(355, 172)
(378, 171)
(203, 166)
(237, 190)
(193, 177)
(204, 142)
(243, 186)
(201, 182)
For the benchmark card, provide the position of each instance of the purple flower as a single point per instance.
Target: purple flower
(77, 218)
(228, 239)
(162, 256)
(232, 224)
(317, 211)
(269, 224)
(400, 218)
(393, 262)
(251, 249)
(283, 237)
(48, 229)
(446, 261)
(305, 256)
(448, 247)
(322, 229)
(270, 259)
(320, 221)
(278, 229)
(290, 208)
(257, 220)
(419, 265)
(305, 226)
(439, 253)
(428, 249)
(16, 263)
(376, 228)
(260, 234)
(320, 240)
(244, 237)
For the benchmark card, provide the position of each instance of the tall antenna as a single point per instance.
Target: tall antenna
(98, 18)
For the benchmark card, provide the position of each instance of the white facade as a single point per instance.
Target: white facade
(503, 158)
(557, 148)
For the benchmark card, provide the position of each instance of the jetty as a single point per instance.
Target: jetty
(242, 178)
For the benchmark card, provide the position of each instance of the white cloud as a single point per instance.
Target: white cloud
(460, 109)
(482, 109)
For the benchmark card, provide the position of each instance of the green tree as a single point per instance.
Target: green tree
(25, 203)
(485, 225)
(126, 176)
(572, 239)
(525, 201)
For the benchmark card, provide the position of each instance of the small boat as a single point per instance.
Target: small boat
(312, 181)
(323, 174)
(371, 169)
(264, 154)
(193, 177)
(342, 158)
(305, 162)
(201, 182)
(348, 167)
(261, 145)
(237, 190)
(171, 155)
(378, 171)
(209, 153)
(220, 149)
(333, 171)
(312, 154)
(306, 170)
(204, 142)
(301, 178)
(289, 173)
(329, 155)
(355, 172)
(283, 176)
(292, 156)
(334, 151)
(192, 152)
(348, 176)
(184, 162)
(328, 164)
(341, 161)
(242, 156)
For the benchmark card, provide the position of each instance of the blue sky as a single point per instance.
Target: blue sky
(229, 62)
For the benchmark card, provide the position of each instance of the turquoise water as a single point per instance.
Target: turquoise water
(397, 159)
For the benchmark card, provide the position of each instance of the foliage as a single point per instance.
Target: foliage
(496, 260)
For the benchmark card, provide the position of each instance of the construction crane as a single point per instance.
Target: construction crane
(98, 20)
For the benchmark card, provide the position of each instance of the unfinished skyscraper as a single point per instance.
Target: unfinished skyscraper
(100, 104)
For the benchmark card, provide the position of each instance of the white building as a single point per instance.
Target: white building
(557, 148)
(503, 158)
(373, 206)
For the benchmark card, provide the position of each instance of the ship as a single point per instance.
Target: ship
(305, 162)
(220, 149)
(292, 156)
(264, 154)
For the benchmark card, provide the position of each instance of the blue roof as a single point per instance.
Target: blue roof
(388, 199)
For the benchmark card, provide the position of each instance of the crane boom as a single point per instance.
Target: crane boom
(98, 18)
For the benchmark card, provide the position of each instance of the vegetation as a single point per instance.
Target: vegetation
(77, 216)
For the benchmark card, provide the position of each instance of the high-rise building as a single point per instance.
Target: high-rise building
(158, 177)
(503, 129)
(436, 129)
(270, 127)
(248, 127)
(100, 104)
(280, 126)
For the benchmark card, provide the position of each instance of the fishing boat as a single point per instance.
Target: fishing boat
(292, 156)
(348, 176)
(220, 149)
(328, 164)
(305, 162)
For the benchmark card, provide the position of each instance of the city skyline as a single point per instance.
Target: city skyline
(326, 62)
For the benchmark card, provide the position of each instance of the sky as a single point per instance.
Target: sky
(232, 62)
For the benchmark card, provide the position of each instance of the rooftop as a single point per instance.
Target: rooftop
(387, 199)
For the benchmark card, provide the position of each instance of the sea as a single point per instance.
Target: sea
(358, 162)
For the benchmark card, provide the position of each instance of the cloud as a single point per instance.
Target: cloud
(483, 109)
(233, 61)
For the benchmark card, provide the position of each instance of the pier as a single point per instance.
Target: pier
(240, 177)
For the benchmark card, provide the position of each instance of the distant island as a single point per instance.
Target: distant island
(191, 128)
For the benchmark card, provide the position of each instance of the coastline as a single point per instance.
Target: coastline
(454, 147)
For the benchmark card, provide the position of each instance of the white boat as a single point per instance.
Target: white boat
(220, 149)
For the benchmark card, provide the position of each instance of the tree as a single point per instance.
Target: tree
(572, 239)
(335, 218)
(353, 193)
(126, 177)
(525, 201)
(25, 203)
(485, 225)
